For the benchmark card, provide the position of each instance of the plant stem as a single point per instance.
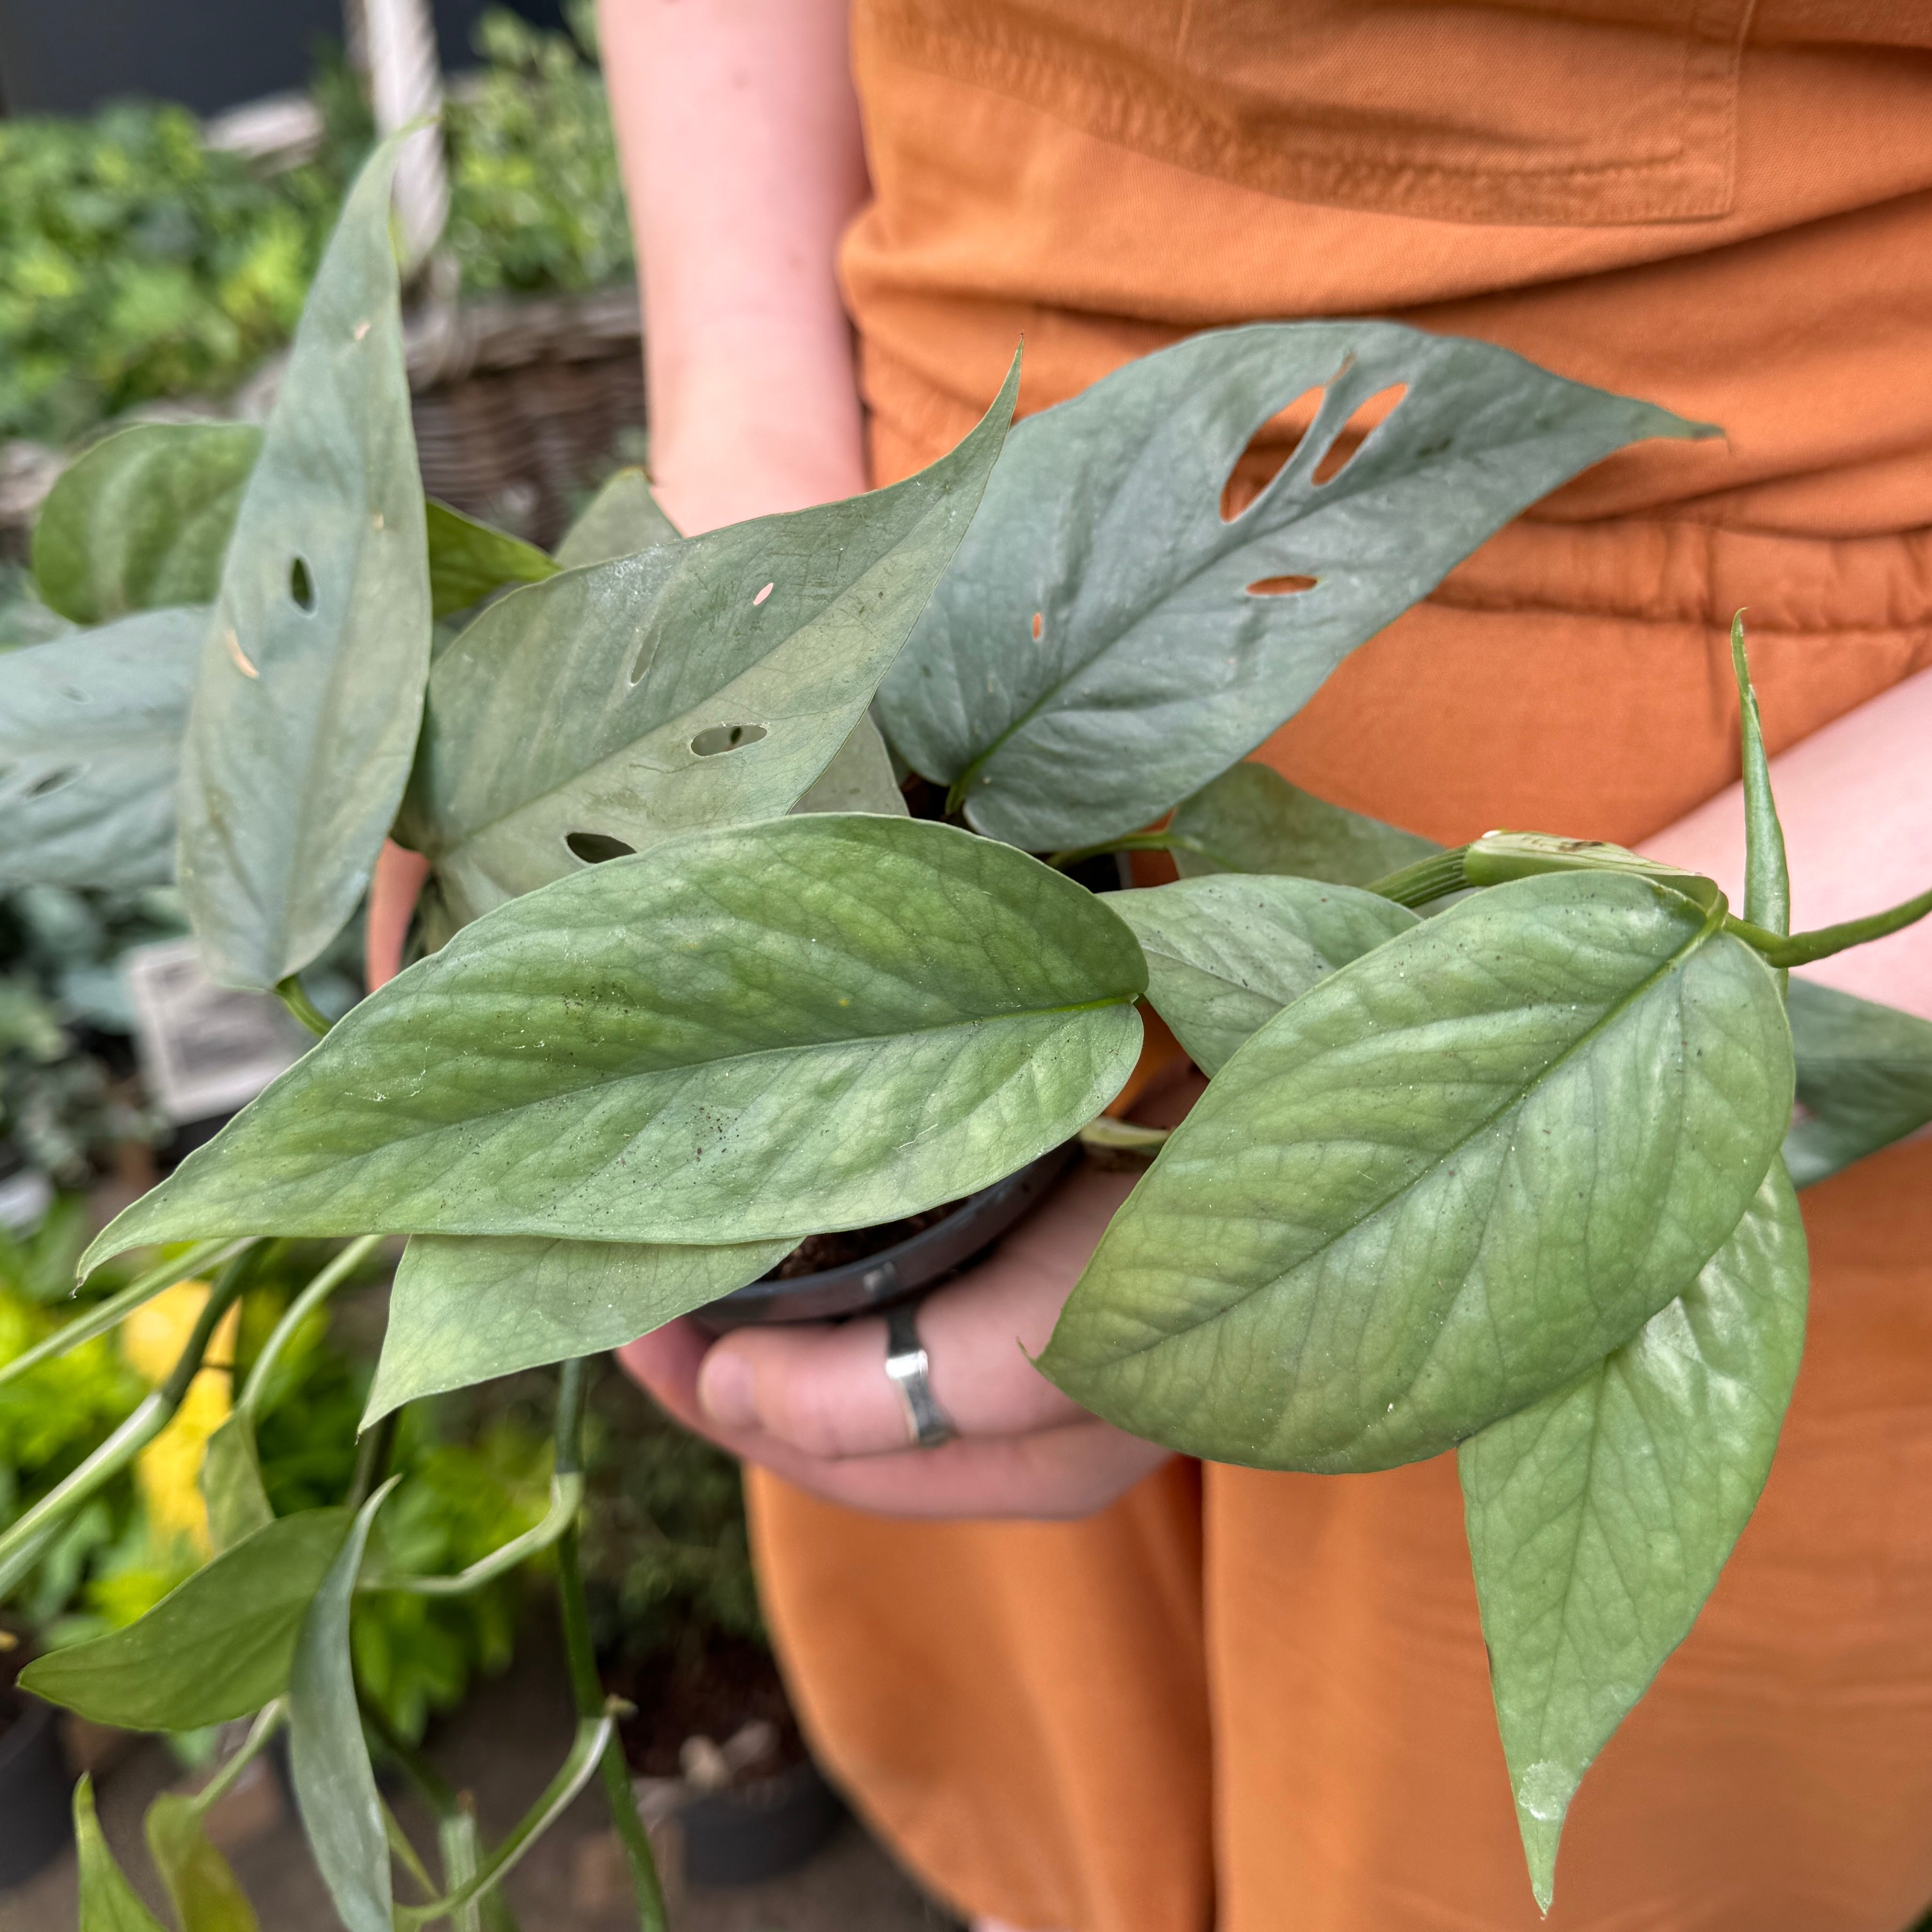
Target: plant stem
(1106, 1135)
(1803, 949)
(18, 1546)
(372, 1457)
(566, 1499)
(268, 1721)
(1431, 878)
(290, 993)
(319, 1290)
(1138, 841)
(108, 1314)
(594, 1738)
(647, 1893)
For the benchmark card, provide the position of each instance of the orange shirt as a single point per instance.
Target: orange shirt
(1259, 1701)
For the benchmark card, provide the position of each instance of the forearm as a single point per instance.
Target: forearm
(739, 130)
(1856, 801)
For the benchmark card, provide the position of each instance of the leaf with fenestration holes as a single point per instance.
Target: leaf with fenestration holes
(701, 682)
(805, 1024)
(1600, 1517)
(1444, 1180)
(306, 708)
(91, 728)
(1105, 643)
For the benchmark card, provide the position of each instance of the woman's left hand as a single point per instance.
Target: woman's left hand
(813, 1402)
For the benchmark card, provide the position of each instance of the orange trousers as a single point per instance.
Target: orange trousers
(1259, 1701)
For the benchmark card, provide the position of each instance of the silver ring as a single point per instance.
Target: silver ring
(909, 1368)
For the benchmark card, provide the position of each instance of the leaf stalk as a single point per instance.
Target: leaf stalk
(646, 1892)
(111, 1312)
(290, 992)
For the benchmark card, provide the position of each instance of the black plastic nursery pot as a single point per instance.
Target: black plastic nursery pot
(748, 1833)
(899, 1268)
(36, 1788)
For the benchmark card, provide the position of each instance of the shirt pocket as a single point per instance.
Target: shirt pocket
(1573, 111)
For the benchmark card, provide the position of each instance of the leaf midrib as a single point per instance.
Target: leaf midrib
(508, 1113)
(1518, 1099)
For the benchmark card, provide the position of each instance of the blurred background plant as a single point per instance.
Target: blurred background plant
(67, 1095)
(137, 265)
(471, 1481)
(670, 1572)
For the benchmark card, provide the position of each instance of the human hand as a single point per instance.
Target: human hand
(813, 1402)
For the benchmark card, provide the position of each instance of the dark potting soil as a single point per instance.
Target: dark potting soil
(817, 1253)
(712, 1693)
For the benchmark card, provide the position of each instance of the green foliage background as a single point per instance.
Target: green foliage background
(136, 265)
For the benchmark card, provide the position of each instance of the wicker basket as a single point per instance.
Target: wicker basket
(520, 407)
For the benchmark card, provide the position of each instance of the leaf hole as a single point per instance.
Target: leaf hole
(51, 782)
(1280, 586)
(1267, 453)
(1363, 418)
(302, 586)
(761, 596)
(716, 738)
(1039, 625)
(594, 847)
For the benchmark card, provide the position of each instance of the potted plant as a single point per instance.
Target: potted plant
(674, 1019)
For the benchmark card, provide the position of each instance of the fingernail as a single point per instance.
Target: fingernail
(725, 1389)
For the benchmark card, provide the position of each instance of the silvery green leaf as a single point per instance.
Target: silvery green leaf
(859, 778)
(1225, 954)
(206, 1894)
(306, 709)
(1600, 1517)
(1252, 819)
(1767, 873)
(622, 519)
(328, 1757)
(809, 1023)
(230, 1482)
(1865, 1078)
(142, 520)
(1444, 1181)
(108, 1903)
(1105, 643)
(24, 619)
(465, 1308)
(698, 682)
(217, 1647)
(91, 728)
(469, 560)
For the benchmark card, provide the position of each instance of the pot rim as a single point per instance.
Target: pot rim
(907, 1267)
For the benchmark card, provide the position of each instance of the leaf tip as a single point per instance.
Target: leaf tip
(1543, 1795)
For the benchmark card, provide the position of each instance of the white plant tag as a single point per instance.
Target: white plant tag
(205, 1049)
